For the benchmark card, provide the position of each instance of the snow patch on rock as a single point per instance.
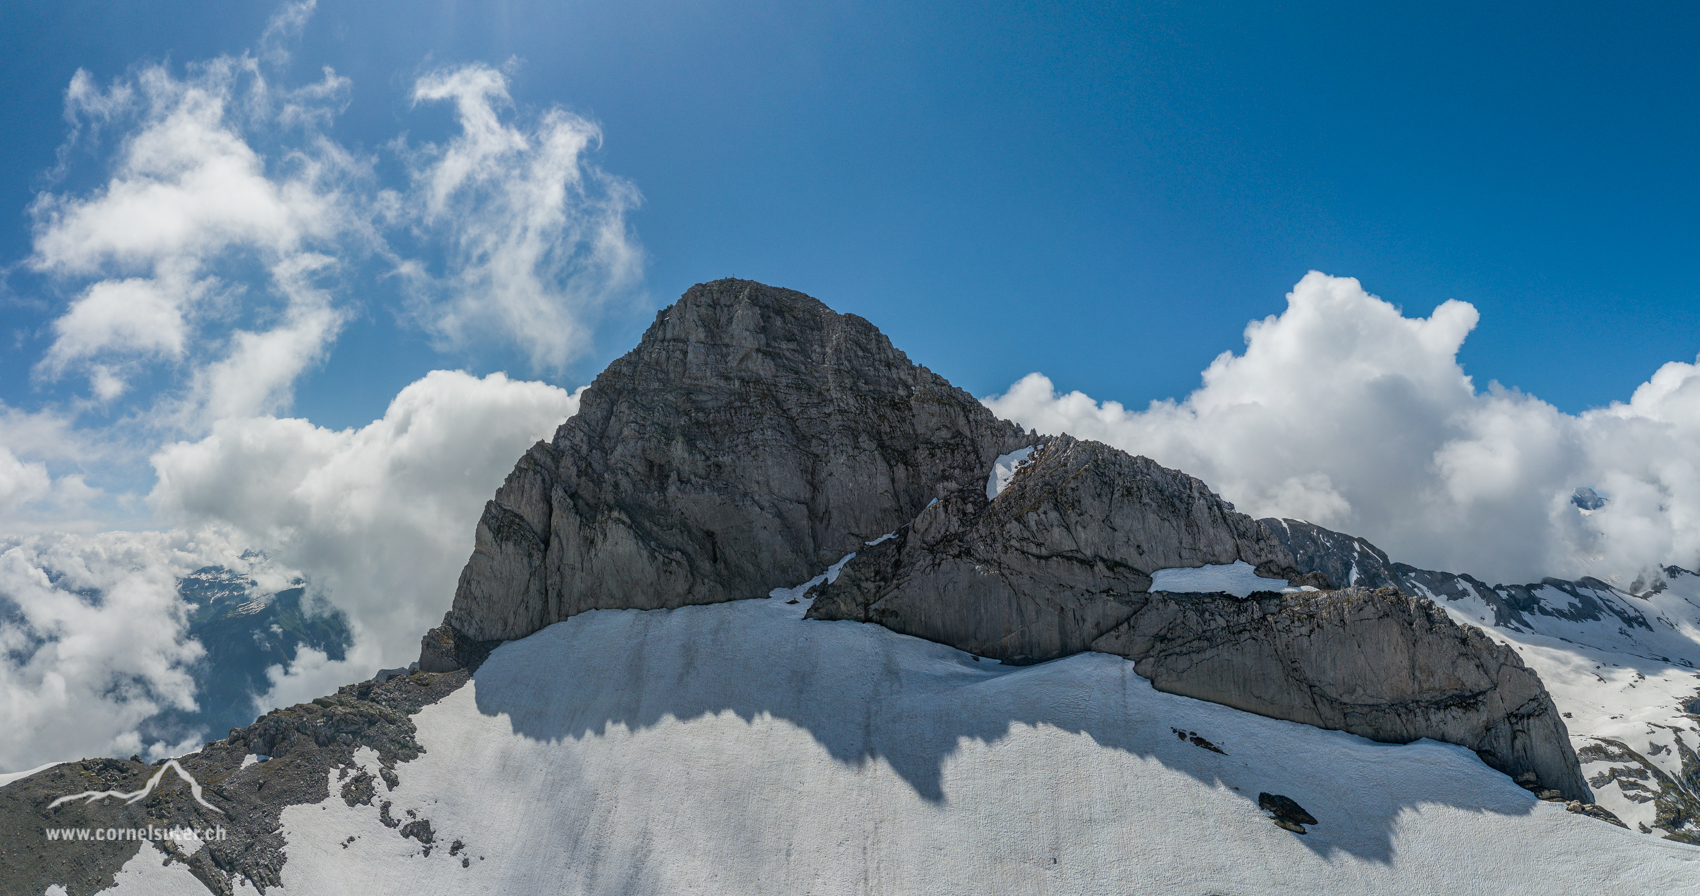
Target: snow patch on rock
(1004, 469)
(831, 575)
(1238, 578)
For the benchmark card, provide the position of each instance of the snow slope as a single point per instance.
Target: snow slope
(1004, 469)
(739, 749)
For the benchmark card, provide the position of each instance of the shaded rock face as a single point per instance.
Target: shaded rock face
(1377, 663)
(753, 437)
(1060, 562)
(1054, 561)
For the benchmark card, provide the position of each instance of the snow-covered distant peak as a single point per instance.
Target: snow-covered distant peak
(1004, 468)
(1238, 578)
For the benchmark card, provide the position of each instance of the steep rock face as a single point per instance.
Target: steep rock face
(752, 437)
(1060, 561)
(1345, 561)
(1377, 663)
(1052, 562)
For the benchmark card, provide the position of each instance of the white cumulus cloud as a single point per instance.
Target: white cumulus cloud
(190, 200)
(92, 640)
(32, 498)
(535, 236)
(1345, 412)
(20, 482)
(380, 518)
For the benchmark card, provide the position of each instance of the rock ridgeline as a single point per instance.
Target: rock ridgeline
(1373, 662)
(1351, 560)
(1060, 561)
(1062, 555)
(308, 749)
(754, 437)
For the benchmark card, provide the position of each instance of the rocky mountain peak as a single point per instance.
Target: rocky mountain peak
(752, 437)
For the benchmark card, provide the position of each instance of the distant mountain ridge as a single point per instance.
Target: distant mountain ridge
(1620, 662)
(245, 632)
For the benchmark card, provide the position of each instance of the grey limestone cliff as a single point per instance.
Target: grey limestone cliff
(1050, 564)
(1377, 663)
(753, 437)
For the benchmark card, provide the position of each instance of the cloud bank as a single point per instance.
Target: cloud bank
(1344, 412)
(92, 635)
(381, 518)
(208, 265)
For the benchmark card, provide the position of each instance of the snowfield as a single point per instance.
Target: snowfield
(739, 749)
(1238, 578)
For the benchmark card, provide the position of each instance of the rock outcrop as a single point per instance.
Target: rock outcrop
(308, 749)
(753, 437)
(1060, 561)
(1377, 663)
(1056, 560)
(1349, 560)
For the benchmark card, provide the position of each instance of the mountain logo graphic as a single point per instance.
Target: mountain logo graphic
(89, 796)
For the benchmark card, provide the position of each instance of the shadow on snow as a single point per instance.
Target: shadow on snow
(867, 694)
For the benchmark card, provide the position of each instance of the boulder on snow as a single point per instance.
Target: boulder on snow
(1285, 812)
(1593, 810)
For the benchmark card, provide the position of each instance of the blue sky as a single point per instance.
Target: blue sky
(1103, 192)
(307, 278)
